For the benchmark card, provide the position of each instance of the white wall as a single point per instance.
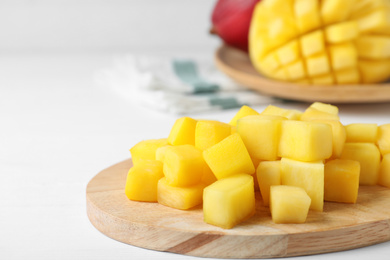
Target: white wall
(104, 25)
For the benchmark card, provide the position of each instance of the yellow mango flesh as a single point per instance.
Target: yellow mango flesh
(183, 165)
(312, 113)
(368, 155)
(325, 42)
(229, 157)
(383, 139)
(243, 112)
(179, 197)
(208, 176)
(373, 47)
(384, 171)
(289, 204)
(348, 76)
(146, 150)
(316, 158)
(229, 201)
(312, 43)
(341, 181)
(261, 135)
(142, 179)
(307, 15)
(343, 56)
(328, 108)
(307, 175)
(341, 32)
(361, 133)
(374, 70)
(339, 136)
(305, 141)
(333, 11)
(160, 152)
(278, 111)
(268, 173)
(210, 132)
(183, 131)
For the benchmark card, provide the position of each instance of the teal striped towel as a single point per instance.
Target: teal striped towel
(179, 86)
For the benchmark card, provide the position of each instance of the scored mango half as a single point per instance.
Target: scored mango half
(323, 42)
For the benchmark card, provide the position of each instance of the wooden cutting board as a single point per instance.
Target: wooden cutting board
(237, 65)
(153, 226)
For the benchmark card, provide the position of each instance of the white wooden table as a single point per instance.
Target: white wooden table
(59, 129)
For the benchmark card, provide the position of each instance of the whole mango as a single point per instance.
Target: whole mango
(231, 20)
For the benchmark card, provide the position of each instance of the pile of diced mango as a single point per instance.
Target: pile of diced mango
(294, 159)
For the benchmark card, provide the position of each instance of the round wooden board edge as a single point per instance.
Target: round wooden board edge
(280, 246)
(227, 59)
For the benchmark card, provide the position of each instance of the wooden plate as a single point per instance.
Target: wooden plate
(156, 227)
(237, 65)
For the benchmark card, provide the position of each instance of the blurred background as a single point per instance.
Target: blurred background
(41, 26)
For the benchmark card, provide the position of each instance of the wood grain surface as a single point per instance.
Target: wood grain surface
(153, 226)
(237, 65)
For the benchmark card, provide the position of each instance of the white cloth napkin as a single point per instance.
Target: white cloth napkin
(178, 86)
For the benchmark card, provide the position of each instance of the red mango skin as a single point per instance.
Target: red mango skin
(231, 21)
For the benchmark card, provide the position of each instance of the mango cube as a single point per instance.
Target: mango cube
(179, 197)
(210, 132)
(312, 113)
(307, 175)
(318, 64)
(312, 43)
(338, 136)
(183, 131)
(373, 47)
(271, 62)
(295, 70)
(289, 204)
(348, 76)
(141, 182)
(229, 201)
(361, 132)
(383, 139)
(341, 181)
(183, 165)
(333, 11)
(146, 149)
(364, 7)
(280, 74)
(305, 141)
(307, 15)
(343, 56)
(376, 21)
(268, 174)
(208, 176)
(229, 157)
(272, 110)
(368, 155)
(384, 171)
(342, 32)
(261, 135)
(328, 108)
(242, 112)
(161, 151)
(288, 53)
(374, 70)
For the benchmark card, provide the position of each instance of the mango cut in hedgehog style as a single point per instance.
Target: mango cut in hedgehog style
(326, 42)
